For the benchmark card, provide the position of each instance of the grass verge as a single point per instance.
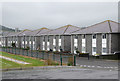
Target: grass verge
(33, 61)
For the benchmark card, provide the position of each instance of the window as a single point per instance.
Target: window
(83, 49)
(54, 37)
(60, 47)
(94, 49)
(76, 37)
(59, 37)
(104, 36)
(83, 36)
(54, 41)
(59, 42)
(83, 43)
(104, 50)
(48, 38)
(94, 36)
(43, 38)
(24, 39)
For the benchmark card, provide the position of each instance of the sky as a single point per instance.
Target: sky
(35, 15)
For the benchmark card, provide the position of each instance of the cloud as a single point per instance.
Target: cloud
(26, 15)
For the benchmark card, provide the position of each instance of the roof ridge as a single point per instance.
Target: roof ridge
(95, 24)
(23, 31)
(42, 29)
(66, 29)
(109, 26)
(114, 21)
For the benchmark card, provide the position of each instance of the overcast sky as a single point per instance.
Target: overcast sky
(35, 15)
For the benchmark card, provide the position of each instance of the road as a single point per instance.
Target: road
(61, 73)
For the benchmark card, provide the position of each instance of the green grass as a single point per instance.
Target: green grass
(10, 64)
(33, 62)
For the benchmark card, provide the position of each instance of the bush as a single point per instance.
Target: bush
(70, 61)
(97, 54)
(13, 45)
(83, 53)
(77, 52)
(28, 48)
(66, 52)
(50, 62)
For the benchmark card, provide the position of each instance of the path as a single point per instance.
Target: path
(13, 60)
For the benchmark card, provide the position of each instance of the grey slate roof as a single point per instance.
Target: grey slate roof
(39, 32)
(103, 27)
(5, 33)
(11, 34)
(65, 30)
(22, 33)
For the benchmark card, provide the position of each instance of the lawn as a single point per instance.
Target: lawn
(10, 64)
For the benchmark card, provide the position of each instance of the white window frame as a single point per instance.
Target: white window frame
(104, 44)
(75, 43)
(54, 44)
(48, 45)
(83, 44)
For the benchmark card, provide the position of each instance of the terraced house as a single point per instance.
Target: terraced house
(102, 38)
(35, 38)
(17, 38)
(58, 39)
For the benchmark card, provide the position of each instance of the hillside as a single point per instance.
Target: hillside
(3, 28)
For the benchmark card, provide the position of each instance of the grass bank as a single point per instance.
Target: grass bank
(33, 61)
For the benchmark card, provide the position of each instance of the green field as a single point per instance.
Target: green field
(9, 64)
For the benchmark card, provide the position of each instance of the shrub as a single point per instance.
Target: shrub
(97, 54)
(51, 62)
(77, 51)
(13, 45)
(66, 52)
(70, 61)
(83, 53)
(28, 48)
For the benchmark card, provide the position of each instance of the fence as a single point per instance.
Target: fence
(62, 58)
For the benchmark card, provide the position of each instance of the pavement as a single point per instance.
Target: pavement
(13, 60)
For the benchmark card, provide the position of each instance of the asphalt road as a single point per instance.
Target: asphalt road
(61, 73)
